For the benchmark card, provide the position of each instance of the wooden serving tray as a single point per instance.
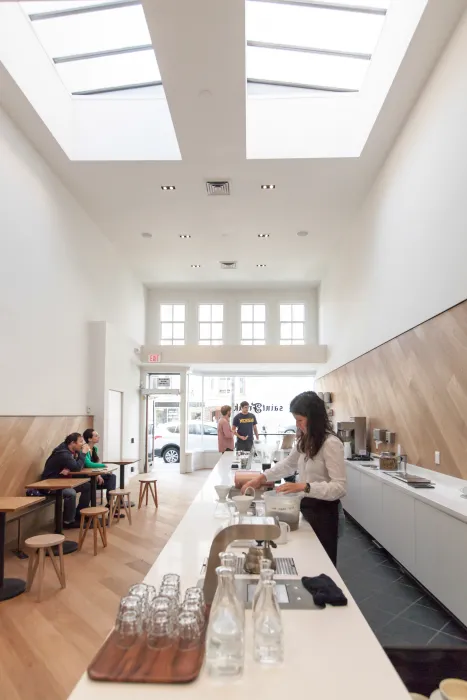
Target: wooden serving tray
(140, 664)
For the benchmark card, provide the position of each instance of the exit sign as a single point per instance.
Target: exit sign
(154, 358)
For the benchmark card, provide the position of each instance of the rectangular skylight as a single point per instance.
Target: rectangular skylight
(321, 45)
(96, 46)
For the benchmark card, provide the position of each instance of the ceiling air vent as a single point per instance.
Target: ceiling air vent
(218, 188)
(229, 265)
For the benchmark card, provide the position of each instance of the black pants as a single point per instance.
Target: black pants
(110, 483)
(70, 511)
(244, 445)
(227, 449)
(323, 516)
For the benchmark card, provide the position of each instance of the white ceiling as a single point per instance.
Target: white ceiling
(202, 64)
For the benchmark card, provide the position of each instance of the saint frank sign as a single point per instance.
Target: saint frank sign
(261, 407)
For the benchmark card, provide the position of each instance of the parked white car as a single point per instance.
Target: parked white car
(167, 439)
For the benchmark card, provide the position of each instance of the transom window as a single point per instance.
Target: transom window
(97, 46)
(210, 321)
(253, 324)
(172, 324)
(292, 324)
(323, 46)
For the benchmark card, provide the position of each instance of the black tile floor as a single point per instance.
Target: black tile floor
(398, 611)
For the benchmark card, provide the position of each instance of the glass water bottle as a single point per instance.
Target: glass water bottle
(225, 634)
(267, 623)
(265, 574)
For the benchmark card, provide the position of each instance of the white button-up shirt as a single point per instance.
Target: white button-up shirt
(326, 472)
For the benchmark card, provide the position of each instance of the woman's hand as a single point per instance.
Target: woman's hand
(255, 483)
(85, 449)
(291, 488)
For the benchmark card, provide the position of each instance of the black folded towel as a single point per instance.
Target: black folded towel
(324, 590)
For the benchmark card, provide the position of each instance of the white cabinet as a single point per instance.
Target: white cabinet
(398, 525)
(371, 505)
(351, 500)
(440, 557)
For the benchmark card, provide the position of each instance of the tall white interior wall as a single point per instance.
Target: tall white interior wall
(405, 259)
(232, 301)
(58, 273)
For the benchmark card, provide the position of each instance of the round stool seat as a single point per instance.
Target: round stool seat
(44, 541)
(147, 478)
(94, 510)
(120, 492)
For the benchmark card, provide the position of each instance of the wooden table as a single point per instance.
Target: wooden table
(59, 485)
(93, 474)
(11, 587)
(122, 463)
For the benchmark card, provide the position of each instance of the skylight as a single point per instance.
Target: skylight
(97, 46)
(317, 45)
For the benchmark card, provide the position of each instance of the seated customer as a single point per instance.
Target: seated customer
(91, 461)
(64, 460)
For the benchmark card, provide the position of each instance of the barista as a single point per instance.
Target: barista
(318, 456)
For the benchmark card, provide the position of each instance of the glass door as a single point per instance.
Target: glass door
(163, 420)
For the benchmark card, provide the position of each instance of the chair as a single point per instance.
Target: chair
(93, 514)
(117, 502)
(145, 486)
(42, 544)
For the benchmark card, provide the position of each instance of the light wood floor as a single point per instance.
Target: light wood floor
(45, 647)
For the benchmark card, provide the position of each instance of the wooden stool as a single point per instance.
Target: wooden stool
(42, 544)
(146, 485)
(117, 502)
(93, 514)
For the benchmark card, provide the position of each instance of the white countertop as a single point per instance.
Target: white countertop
(445, 496)
(329, 654)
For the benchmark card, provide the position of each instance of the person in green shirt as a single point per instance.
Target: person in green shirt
(91, 461)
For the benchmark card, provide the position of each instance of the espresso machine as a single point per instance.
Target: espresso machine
(353, 435)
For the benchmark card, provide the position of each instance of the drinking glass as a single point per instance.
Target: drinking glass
(193, 606)
(195, 593)
(128, 628)
(171, 580)
(131, 603)
(189, 631)
(163, 604)
(160, 629)
(168, 591)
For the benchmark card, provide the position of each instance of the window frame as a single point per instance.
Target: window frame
(176, 342)
(211, 323)
(290, 340)
(253, 323)
(353, 7)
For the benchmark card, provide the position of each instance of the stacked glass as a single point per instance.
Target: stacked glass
(164, 620)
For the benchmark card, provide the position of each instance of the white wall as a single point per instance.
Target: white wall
(232, 300)
(58, 272)
(405, 259)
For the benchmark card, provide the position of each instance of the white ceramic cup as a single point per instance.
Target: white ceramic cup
(284, 536)
(453, 689)
(417, 696)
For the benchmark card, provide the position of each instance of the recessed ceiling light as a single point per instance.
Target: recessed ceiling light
(302, 233)
(261, 265)
(146, 234)
(196, 266)
(167, 188)
(268, 187)
(185, 235)
(263, 235)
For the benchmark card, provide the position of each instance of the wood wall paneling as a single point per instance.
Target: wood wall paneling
(416, 386)
(25, 444)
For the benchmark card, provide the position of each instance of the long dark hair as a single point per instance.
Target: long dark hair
(309, 405)
(87, 435)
